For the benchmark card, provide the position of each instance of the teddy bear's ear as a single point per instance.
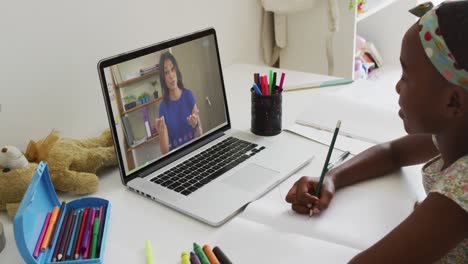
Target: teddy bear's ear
(39, 151)
(31, 152)
(46, 144)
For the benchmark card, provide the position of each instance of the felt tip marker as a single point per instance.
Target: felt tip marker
(201, 255)
(257, 90)
(185, 258)
(194, 258)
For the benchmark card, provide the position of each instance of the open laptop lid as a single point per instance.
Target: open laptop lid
(170, 79)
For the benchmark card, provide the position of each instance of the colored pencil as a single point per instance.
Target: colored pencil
(60, 236)
(101, 209)
(101, 230)
(57, 219)
(80, 237)
(72, 249)
(100, 214)
(94, 237)
(66, 235)
(88, 233)
(42, 234)
(50, 227)
(75, 226)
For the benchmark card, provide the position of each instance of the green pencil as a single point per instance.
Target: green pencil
(95, 237)
(327, 160)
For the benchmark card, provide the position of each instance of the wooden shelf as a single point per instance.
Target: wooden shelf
(118, 89)
(372, 7)
(143, 143)
(137, 79)
(142, 105)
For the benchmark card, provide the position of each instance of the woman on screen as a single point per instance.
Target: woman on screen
(179, 120)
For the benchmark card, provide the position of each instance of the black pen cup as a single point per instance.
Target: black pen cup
(266, 114)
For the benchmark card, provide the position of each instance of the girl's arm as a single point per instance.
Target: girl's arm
(384, 158)
(194, 121)
(371, 163)
(436, 226)
(163, 135)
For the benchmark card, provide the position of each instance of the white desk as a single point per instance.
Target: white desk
(358, 217)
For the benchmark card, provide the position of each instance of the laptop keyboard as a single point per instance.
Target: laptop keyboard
(206, 166)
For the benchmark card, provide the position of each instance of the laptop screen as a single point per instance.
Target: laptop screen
(162, 98)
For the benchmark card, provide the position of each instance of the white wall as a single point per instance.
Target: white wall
(49, 50)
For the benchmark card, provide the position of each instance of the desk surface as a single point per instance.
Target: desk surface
(335, 236)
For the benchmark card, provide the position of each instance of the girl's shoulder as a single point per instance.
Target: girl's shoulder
(459, 168)
(451, 182)
(188, 95)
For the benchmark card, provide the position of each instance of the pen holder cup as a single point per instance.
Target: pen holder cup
(266, 114)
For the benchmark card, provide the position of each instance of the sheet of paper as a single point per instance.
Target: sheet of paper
(244, 241)
(342, 143)
(359, 121)
(358, 216)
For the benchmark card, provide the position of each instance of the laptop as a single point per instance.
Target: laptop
(169, 117)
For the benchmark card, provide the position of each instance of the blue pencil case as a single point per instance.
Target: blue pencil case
(40, 199)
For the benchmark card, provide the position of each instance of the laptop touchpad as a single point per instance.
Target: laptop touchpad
(251, 177)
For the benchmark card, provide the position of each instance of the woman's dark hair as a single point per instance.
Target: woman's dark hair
(165, 91)
(453, 24)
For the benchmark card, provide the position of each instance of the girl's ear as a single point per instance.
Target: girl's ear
(457, 103)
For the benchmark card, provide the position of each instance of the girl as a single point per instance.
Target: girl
(179, 120)
(433, 93)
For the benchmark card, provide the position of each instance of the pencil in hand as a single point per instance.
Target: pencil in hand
(325, 165)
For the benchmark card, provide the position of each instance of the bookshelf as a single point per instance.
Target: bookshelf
(383, 23)
(137, 79)
(130, 149)
(372, 7)
(118, 86)
(141, 106)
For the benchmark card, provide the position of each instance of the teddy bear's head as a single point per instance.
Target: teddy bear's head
(12, 158)
(15, 174)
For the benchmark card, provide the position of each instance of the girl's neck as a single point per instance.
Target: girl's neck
(453, 144)
(175, 94)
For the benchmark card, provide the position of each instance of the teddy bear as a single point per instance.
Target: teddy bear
(72, 166)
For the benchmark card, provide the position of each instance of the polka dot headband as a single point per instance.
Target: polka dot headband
(435, 47)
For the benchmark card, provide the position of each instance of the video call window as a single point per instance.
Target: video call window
(164, 100)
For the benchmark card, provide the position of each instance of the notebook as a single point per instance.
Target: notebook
(363, 125)
(169, 117)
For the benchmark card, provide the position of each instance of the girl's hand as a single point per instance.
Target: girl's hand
(161, 125)
(302, 197)
(193, 118)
